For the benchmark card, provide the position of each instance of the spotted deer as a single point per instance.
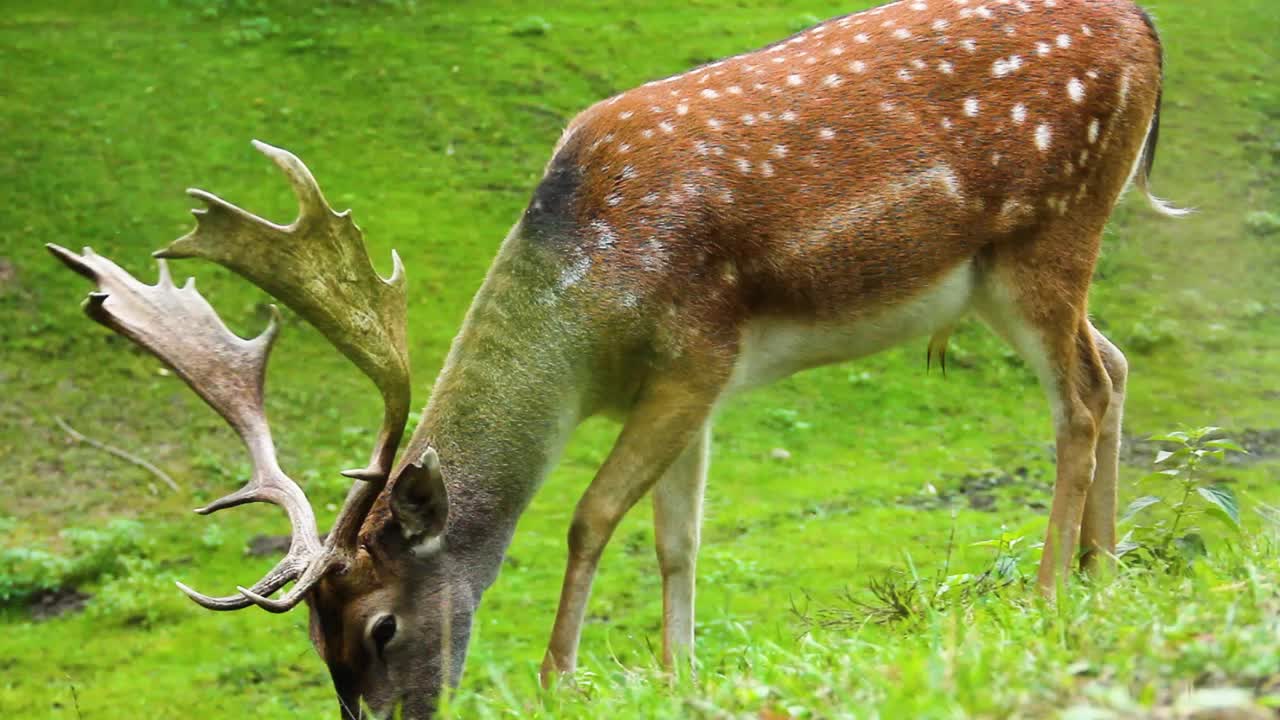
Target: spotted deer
(864, 183)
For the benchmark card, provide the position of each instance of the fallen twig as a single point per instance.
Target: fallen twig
(129, 457)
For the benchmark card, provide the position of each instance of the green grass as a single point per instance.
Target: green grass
(433, 121)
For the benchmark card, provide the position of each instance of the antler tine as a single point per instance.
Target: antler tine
(317, 266)
(179, 327)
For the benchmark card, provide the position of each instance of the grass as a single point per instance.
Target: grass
(433, 122)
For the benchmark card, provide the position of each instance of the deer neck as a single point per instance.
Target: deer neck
(505, 402)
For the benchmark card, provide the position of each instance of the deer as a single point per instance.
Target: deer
(865, 183)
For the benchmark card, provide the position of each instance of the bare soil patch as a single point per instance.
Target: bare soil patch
(49, 604)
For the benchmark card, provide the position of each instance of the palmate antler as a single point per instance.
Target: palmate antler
(318, 266)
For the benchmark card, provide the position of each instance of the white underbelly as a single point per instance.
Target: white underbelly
(773, 348)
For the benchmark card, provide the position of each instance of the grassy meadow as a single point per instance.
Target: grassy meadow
(433, 120)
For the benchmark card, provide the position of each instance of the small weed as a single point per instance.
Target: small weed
(786, 420)
(138, 595)
(531, 26)
(1164, 531)
(1262, 223)
(1158, 330)
(803, 22)
(900, 597)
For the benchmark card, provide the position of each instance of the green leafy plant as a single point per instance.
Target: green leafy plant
(138, 594)
(1165, 530)
(26, 571)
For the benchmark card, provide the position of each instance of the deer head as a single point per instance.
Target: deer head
(391, 625)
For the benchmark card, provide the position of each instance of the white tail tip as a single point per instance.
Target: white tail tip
(1164, 207)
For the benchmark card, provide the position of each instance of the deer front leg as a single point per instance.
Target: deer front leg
(677, 526)
(665, 421)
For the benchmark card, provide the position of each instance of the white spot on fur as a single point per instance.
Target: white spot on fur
(939, 24)
(625, 115)
(1075, 89)
(606, 238)
(794, 80)
(862, 38)
(831, 80)
(969, 44)
(858, 66)
(666, 127)
(744, 165)
(789, 116)
(1003, 67)
(778, 151)
(714, 124)
(904, 75)
(902, 34)
(971, 106)
(1095, 127)
(1043, 48)
(947, 124)
(682, 109)
(748, 119)
(1044, 136)
(734, 90)
(826, 133)
(710, 94)
(1019, 113)
(946, 68)
(1064, 41)
(575, 272)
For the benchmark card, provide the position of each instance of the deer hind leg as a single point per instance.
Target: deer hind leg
(677, 525)
(1098, 528)
(1044, 318)
(666, 419)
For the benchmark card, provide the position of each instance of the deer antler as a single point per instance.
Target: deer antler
(179, 326)
(316, 265)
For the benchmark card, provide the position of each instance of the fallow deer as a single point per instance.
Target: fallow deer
(863, 183)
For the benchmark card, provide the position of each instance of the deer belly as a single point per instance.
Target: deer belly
(772, 348)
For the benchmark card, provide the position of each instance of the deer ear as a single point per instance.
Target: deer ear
(419, 501)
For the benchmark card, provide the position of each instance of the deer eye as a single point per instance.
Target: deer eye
(383, 630)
